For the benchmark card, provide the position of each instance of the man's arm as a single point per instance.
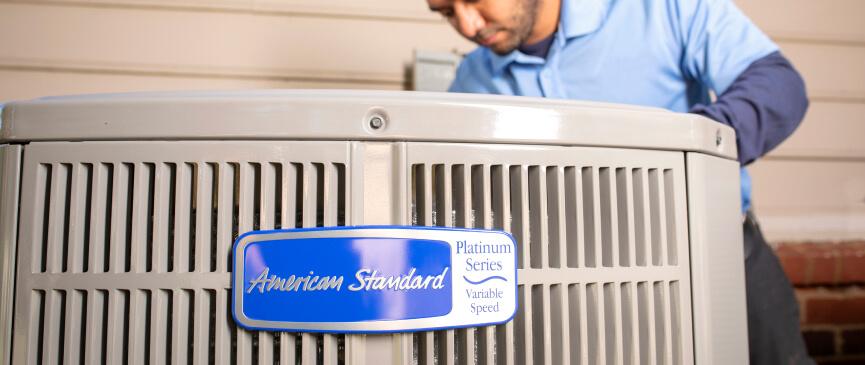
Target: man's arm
(759, 93)
(764, 104)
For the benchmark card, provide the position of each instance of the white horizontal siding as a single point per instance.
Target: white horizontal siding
(26, 84)
(810, 199)
(214, 45)
(831, 130)
(378, 9)
(827, 21)
(831, 71)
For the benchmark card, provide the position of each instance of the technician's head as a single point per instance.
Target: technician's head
(501, 25)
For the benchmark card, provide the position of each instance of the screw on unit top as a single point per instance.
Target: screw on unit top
(376, 122)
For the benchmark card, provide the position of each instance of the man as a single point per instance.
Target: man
(664, 53)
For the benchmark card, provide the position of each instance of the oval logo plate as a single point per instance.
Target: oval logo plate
(373, 279)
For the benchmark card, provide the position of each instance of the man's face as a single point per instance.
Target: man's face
(501, 25)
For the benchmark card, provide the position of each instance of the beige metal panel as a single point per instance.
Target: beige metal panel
(10, 165)
(160, 179)
(28, 84)
(830, 130)
(208, 43)
(381, 9)
(816, 199)
(838, 20)
(548, 185)
(379, 193)
(717, 262)
(831, 71)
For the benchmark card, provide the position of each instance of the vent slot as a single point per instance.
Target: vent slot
(518, 197)
(558, 323)
(670, 217)
(676, 322)
(499, 198)
(540, 341)
(555, 215)
(537, 217)
(522, 325)
(577, 324)
(37, 320)
(594, 316)
(629, 330)
(624, 216)
(607, 221)
(641, 217)
(612, 329)
(591, 233)
(646, 322)
(661, 330)
(657, 226)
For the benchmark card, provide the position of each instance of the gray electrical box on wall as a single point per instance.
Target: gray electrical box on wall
(626, 222)
(434, 71)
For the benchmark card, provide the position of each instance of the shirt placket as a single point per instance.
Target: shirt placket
(548, 77)
(547, 82)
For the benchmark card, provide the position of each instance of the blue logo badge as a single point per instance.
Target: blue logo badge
(373, 279)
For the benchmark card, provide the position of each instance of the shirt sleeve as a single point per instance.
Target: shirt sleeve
(719, 42)
(473, 75)
(764, 105)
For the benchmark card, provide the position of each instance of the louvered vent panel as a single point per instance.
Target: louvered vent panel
(125, 248)
(599, 234)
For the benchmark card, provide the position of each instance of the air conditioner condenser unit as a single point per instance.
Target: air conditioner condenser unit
(118, 214)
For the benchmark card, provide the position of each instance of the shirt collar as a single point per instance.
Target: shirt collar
(578, 17)
(499, 63)
(581, 17)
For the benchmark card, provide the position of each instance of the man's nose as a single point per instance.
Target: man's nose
(468, 20)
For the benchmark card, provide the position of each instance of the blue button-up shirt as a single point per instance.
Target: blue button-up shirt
(662, 53)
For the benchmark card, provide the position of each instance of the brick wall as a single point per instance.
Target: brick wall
(830, 286)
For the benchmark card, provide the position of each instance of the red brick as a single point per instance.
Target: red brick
(853, 263)
(819, 343)
(824, 266)
(795, 264)
(823, 262)
(847, 309)
(802, 295)
(853, 342)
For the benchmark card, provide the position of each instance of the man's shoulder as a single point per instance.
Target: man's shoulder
(474, 72)
(478, 58)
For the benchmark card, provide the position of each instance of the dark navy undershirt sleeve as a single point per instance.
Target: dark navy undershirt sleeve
(764, 105)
